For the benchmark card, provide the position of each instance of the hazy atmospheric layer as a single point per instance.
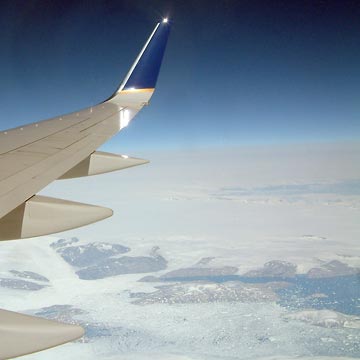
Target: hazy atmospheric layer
(254, 211)
(188, 204)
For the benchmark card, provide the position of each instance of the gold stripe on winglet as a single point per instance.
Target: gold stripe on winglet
(134, 91)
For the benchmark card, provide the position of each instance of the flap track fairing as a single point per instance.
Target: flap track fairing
(102, 162)
(41, 215)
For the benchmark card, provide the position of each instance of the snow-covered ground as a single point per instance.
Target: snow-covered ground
(240, 207)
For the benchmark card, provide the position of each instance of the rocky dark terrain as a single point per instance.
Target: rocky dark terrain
(274, 268)
(89, 254)
(29, 275)
(325, 318)
(99, 260)
(18, 284)
(122, 265)
(331, 269)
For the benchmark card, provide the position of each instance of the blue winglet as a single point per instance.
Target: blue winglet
(145, 70)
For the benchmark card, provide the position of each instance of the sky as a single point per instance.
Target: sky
(244, 82)
(234, 73)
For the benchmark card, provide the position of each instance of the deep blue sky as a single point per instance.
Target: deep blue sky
(235, 72)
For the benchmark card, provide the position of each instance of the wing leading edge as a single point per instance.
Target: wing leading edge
(33, 156)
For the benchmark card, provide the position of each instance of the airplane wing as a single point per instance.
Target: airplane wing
(63, 147)
(34, 155)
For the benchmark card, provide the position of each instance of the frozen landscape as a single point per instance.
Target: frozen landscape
(247, 253)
